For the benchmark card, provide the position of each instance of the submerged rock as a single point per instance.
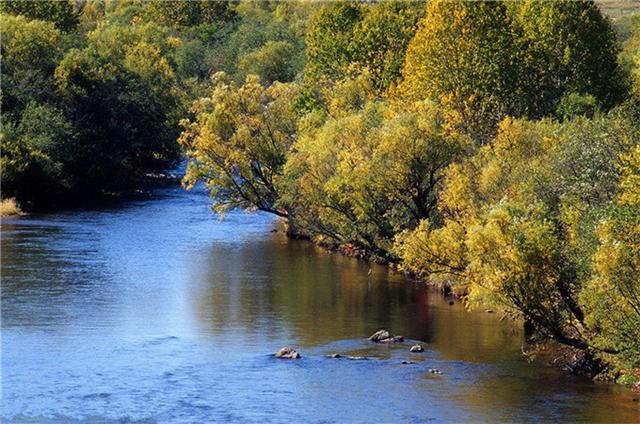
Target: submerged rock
(287, 353)
(384, 336)
(435, 371)
(334, 355)
(417, 348)
(405, 362)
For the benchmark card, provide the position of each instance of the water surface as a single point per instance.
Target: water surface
(153, 310)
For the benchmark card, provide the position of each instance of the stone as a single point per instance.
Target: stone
(379, 336)
(287, 353)
(451, 302)
(384, 336)
(417, 348)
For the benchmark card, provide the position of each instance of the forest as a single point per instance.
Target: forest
(489, 147)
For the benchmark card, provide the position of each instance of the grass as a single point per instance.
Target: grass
(9, 207)
(617, 8)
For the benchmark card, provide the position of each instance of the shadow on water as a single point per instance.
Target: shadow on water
(156, 311)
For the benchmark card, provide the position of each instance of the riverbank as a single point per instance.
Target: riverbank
(568, 359)
(9, 209)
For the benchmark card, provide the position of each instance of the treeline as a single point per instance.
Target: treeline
(490, 146)
(93, 91)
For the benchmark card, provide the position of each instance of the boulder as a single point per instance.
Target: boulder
(287, 353)
(417, 348)
(384, 336)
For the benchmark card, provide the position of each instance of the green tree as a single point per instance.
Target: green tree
(328, 40)
(238, 142)
(570, 47)
(274, 61)
(122, 95)
(178, 14)
(30, 52)
(463, 55)
(346, 37)
(63, 13)
(34, 154)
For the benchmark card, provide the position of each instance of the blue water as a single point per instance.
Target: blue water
(155, 310)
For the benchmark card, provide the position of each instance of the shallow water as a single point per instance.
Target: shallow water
(153, 310)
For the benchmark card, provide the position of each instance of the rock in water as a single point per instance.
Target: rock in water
(287, 353)
(379, 336)
(383, 336)
(417, 348)
(334, 355)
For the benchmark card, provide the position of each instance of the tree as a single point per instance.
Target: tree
(362, 170)
(345, 38)
(274, 61)
(612, 296)
(121, 94)
(63, 13)
(328, 39)
(570, 47)
(463, 56)
(238, 142)
(30, 52)
(179, 14)
(34, 154)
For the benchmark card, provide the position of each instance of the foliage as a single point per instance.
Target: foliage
(30, 52)
(463, 56)
(175, 13)
(520, 221)
(612, 297)
(121, 93)
(344, 37)
(366, 170)
(570, 47)
(484, 61)
(238, 143)
(63, 13)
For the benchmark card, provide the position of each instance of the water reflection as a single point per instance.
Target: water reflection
(154, 310)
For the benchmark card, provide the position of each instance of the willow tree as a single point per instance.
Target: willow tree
(238, 141)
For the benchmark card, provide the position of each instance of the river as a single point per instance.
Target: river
(153, 310)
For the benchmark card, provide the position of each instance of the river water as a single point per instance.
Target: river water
(153, 310)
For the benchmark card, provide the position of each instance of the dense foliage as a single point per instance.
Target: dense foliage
(488, 146)
(492, 146)
(93, 92)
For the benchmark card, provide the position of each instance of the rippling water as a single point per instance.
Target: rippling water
(155, 311)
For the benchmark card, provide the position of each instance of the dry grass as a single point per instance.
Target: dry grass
(9, 207)
(616, 8)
